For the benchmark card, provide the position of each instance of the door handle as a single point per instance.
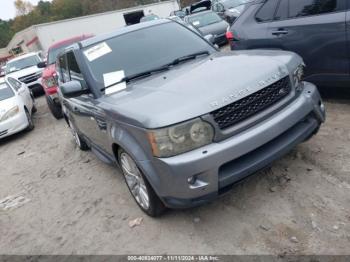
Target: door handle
(280, 32)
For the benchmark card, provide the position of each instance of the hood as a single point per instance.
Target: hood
(49, 71)
(199, 87)
(214, 29)
(7, 104)
(25, 72)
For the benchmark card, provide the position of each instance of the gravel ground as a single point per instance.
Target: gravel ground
(69, 202)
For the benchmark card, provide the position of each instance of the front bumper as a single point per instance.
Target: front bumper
(218, 166)
(13, 125)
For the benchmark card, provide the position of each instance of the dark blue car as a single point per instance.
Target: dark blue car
(317, 30)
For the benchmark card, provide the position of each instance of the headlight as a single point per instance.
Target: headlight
(50, 82)
(10, 113)
(181, 138)
(298, 75)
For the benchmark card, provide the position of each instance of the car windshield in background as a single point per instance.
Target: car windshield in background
(53, 52)
(17, 65)
(234, 3)
(204, 19)
(5, 92)
(142, 50)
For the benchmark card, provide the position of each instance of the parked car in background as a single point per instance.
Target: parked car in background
(317, 30)
(183, 120)
(25, 69)
(17, 107)
(49, 76)
(150, 17)
(2, 71)
(209, 23)
(179, 13)
(229, 10)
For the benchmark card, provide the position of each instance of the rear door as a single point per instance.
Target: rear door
(316, 30)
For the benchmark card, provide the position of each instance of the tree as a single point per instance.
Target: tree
(23, 7)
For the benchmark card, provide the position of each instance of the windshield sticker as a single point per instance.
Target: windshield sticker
(196, 23)
(112, 78)
(97, 51)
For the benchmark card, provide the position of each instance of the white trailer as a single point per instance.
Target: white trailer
(41, 37)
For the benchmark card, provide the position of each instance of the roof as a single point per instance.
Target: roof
(70, 41)
(123, 30)
(23, 56)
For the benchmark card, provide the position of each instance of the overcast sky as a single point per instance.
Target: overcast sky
(7, 8)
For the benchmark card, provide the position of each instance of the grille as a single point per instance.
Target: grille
(252, 104)
(30, 78)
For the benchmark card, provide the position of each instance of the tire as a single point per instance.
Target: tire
(34, 109)
(139, 187)
(55, 109)
(79, 141)
(30, 126)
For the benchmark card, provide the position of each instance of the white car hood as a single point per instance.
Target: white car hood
(7, 104)
(25, 72)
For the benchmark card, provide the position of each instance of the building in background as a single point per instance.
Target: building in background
(41, 37)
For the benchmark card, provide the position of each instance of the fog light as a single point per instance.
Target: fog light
(192, 180)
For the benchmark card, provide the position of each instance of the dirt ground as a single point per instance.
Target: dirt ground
(68, 202)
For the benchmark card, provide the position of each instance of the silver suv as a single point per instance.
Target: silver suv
(183, 120)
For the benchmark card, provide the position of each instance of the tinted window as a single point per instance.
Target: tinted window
(160, 45)
(299, 8)
(74, 70)
(5, 92)
(63, 72)
(282, 10)
(15, 84)
(267, 11)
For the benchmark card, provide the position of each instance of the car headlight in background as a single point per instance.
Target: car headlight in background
(10, 113)
(181, 138)
(298, 76)
(50, 82)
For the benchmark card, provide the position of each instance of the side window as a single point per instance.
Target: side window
(220, 7)
(74, 70)
(15, 84)
(267, 11)
(298, 8)
(215, 7)
(282, 10)
(63, 72)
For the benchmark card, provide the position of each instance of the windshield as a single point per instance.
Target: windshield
(204, 19)
(234, 3)
(20, 64)
(53, 52)
(5, 92)
(141, 50)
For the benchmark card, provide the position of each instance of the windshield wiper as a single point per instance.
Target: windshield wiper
(159, 69)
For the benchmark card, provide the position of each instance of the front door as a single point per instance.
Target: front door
(316, 30)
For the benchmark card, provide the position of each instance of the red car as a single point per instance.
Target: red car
(49, 77)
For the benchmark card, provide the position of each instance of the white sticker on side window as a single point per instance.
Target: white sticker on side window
(97, 51)
(111, 78)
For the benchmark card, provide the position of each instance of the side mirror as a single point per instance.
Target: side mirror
(41, 65)
(210, 38)
(73, 89)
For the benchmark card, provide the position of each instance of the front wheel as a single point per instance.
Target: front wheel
(139, 187)
(80, 142)
(55, 109)
(30, 126)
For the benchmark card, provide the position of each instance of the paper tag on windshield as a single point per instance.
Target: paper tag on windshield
(196, 23)
(97, 51)
(114, 77)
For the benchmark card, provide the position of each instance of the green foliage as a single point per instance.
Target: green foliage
(46, 11)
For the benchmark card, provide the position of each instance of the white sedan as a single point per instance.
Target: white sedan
(16, 107)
